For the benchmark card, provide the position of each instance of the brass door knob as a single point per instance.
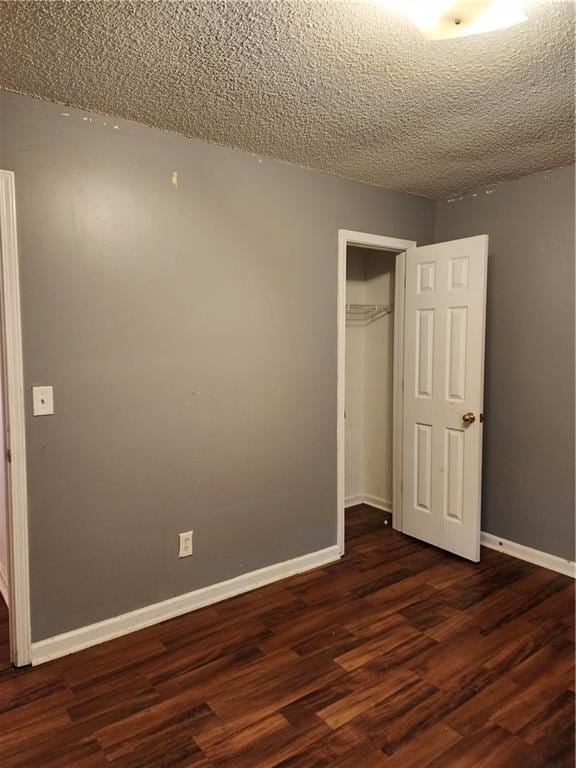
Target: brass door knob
(469, 418)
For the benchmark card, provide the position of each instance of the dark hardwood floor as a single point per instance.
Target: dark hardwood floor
(399, 655)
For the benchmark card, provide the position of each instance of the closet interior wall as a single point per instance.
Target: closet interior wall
(369, 380)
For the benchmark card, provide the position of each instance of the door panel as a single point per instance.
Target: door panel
(444, 381)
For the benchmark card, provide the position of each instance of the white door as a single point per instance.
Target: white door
(443, 393)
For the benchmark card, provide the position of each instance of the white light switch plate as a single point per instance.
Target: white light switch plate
(42, 401)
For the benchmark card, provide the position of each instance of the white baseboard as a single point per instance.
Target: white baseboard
(378, 503)
(4, 591)
(84, 637)
(536, 556)
(372, 501)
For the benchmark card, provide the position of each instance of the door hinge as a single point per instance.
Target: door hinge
(8, 455)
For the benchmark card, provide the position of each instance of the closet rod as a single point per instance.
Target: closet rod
(363, 314)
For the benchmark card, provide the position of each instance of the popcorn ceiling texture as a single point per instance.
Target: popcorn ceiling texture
(345, 87)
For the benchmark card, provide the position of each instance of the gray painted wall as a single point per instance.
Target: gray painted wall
(190, 335)
(528, 494)
(188, 326)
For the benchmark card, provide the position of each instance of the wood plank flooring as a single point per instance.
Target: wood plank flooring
(399, 656)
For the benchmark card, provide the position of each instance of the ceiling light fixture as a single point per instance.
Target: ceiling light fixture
(444, 19)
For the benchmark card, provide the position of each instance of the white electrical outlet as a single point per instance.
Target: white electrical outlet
(185, 544)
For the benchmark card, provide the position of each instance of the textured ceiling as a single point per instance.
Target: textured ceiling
(346, 87)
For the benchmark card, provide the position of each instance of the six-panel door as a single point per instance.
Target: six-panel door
(443, 393)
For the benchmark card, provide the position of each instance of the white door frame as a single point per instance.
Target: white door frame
(15, 429)
(347, 237)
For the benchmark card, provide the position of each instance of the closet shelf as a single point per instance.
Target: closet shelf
(364, 314)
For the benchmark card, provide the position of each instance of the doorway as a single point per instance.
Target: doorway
(411, 384)
(369, 376)
(4, 568)
(369, 381)
(371, 273)
(13, 456)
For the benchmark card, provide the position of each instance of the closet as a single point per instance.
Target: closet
(410, 384)
(369, 376)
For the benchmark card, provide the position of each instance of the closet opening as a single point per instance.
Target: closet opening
(368, 418)
(371, 313)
